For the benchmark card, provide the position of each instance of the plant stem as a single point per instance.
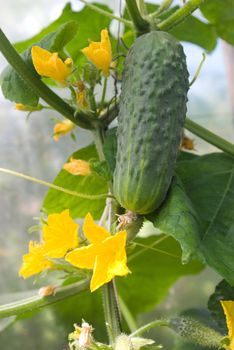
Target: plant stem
(110, 298)
(55, 187)
(164, 6)
(111, 311)
(127, 315)
(103, 94)
(106, 13)
(180, 15)
(209, 136)
(40, 89)
(141, 25)
(148, 326)
(37, 302)
(198, 70)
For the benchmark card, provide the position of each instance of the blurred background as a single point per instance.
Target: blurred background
(27, 146)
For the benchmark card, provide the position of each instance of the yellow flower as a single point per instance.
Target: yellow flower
(99, 53)
(78, 167)
(50, 65)
(228, 308)
(62, 128)
(106, 254)
(35, 261)
(60, 234)
(26, 108)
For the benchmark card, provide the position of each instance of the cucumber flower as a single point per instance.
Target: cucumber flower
(35, 261)
(228, 308)
(100, 53)
(77, 167)
(60, 235)
(105, 255)
(50, 65)
(62, 128)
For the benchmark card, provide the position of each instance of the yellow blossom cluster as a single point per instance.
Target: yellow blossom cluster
(105, 255)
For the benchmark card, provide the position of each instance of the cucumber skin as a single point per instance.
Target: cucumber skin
(150, 121)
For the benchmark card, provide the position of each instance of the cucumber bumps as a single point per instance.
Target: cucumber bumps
(151, 118)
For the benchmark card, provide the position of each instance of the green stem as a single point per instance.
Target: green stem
(163, 7)
(106, 13)
(199, 69)
(209, 136)
(55, 187)
(103, 94)
(40, 89)
(37, 301)
(127, 315)
(141, 25)
(148, 326)
(180, 15)
(110, 298)
(111, 311)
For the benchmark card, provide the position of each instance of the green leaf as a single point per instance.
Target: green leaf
(93, 184)
(177, 218)
(90, 24)
(13, 87)
(223, 291)
(153, 273)
(221, 14)
(209, 183)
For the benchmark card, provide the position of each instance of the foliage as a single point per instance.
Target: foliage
(193, 227)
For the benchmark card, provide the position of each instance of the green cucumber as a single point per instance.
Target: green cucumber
(152, 111)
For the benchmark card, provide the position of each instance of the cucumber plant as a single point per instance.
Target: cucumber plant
(132, 174)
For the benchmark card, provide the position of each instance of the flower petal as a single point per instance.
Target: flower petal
(34, 261)
(50, 65)
(84, 257)
(93, 232)
(101, 273)
(60, 234)
(99, 53)
(228, 308)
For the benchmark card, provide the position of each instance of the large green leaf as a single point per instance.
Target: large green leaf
(177, 217)
(223, 291)
(153, 273)
(209, 182)
(13, 87)
(93, 184)
(90, 24)
(221, 14)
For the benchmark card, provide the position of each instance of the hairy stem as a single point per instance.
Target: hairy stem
(37, 302)
(180, 14)
(40, 89)
(55, 187)
(163, 7)
(106, 13)
(110, 298)
(141, 25)
(209, 136)
(148, 326)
